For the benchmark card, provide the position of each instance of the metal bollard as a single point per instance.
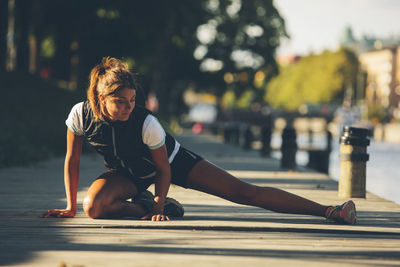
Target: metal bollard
(266, 136)
(227, 133)
(319, 159)
(288, 148)
(247, 137)
(235, 134)
(353, 159)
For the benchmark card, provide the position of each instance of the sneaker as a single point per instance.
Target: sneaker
(145, 199)
(172, 208)
(345, 213)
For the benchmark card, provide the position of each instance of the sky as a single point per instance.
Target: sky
(315, 25)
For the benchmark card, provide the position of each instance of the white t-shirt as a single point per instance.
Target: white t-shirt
(153, 133)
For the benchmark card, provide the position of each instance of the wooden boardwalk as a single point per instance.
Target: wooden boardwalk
(213, 232)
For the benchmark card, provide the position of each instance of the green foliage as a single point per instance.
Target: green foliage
(377, 113)
(159, 37)
(228, 100)
(47, 47)
(313, 79)
(243, 39)
(245, 99)
(34, 112)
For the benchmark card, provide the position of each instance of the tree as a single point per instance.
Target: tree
(239, 39)
(313, 79)
(158, 38)
(3, 33)
(165, 41)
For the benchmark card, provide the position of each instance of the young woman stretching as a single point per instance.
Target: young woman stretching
(138, 152)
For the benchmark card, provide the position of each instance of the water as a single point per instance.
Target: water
(383, 167)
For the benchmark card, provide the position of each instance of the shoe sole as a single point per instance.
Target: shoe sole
(348, 212)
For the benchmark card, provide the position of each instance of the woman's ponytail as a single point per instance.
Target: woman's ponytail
(92, 92)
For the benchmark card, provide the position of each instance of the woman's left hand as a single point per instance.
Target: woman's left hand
(155, 217)
(157, 213)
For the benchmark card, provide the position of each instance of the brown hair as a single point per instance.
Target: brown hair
(106, 79)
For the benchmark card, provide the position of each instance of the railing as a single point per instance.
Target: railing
(245, 129)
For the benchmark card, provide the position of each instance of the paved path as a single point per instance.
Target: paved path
(213, 231)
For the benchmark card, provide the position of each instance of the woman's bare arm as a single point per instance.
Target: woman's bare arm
(71, 176)
(162, 183)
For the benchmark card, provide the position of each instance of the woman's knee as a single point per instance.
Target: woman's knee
(94, 208)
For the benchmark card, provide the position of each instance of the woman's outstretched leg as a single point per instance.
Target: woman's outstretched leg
(208, 178)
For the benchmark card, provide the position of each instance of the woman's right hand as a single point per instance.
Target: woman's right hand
(71, 174)
(59, 213)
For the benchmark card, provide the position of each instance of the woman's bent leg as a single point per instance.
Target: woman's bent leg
(106, 197)
(208, 178)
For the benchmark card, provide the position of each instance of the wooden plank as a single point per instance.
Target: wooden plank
(213, 231)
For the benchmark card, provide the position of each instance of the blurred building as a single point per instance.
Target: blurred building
(380, 59)
(383, 77)
(366, 43)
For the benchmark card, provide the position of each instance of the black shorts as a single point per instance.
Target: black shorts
(181, 166)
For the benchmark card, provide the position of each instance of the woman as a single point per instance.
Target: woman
(138, 152)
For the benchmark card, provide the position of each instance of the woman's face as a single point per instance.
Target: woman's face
(119, 106)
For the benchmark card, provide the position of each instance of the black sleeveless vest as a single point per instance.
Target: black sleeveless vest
(121, 142)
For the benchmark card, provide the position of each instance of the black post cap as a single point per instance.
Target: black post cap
(356, 132)
(355, 136)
